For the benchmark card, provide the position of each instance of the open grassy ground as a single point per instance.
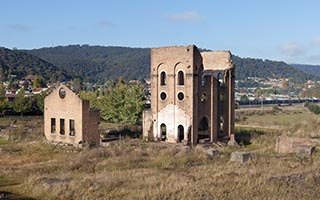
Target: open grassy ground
(280, 118)
(132, 169)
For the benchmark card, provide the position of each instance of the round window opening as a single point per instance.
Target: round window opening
(180, 96)
(163, 95)
(62, 92)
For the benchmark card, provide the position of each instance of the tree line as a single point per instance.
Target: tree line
(21, 103)
(18, 64)
(98, 64)
(250, 67)
(119, 102)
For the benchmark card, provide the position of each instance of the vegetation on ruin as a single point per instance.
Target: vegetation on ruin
(31, 168)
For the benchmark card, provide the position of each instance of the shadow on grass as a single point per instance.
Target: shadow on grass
(11, 196)
(124, 133)
(121, 133)
(244, 136)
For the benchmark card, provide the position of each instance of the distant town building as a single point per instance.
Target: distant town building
(192, 95)
(68, 119)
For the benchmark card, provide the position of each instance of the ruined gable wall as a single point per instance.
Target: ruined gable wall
(67, 108)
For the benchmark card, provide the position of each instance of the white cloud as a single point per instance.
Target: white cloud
(190, 16)
(103, 24)
(292, 49)
(20, 27)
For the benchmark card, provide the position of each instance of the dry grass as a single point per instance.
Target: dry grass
(289, 119)
(133, 169)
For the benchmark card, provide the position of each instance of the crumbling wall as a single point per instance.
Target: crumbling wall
(91, 120)
(147, 125)
(286, 144)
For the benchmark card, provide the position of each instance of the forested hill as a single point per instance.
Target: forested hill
(249, 67)
(20, 64)
(98, 63)
(309, 69)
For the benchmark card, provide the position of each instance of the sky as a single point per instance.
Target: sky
(283, 30)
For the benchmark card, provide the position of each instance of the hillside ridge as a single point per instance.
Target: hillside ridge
(98, 64)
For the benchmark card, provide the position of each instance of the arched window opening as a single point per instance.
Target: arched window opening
(204, 124)
(180, 78)
(163, 78)
(203, 128)
(180, 133)
(163, 131)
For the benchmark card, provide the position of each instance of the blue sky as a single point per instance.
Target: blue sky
(287, 30)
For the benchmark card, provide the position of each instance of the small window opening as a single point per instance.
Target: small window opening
(180, 133)
(221, 125)
(53, 125)
(62, 132)
(72, 129)
(180, 78)
(163, 130)
(163, 78)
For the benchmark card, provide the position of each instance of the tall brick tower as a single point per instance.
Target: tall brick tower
(188, 101)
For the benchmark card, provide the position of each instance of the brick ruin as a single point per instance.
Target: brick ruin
(192, 95)
(68, 119)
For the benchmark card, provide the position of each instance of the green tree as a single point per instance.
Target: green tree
(21, 104)
(39, 99)
(3, 100)
(313, 108)
(39, 82)
(111, 102)
(133, 104)
(244, 98)
(121, 102)
(76, 85)
(92, 97)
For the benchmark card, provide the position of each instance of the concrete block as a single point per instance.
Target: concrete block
(213, 152)
(305, 150)
(241, 157)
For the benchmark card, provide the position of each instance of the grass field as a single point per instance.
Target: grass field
(133, 169)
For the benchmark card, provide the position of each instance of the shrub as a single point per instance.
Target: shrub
(276, 108)
(313, 108)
